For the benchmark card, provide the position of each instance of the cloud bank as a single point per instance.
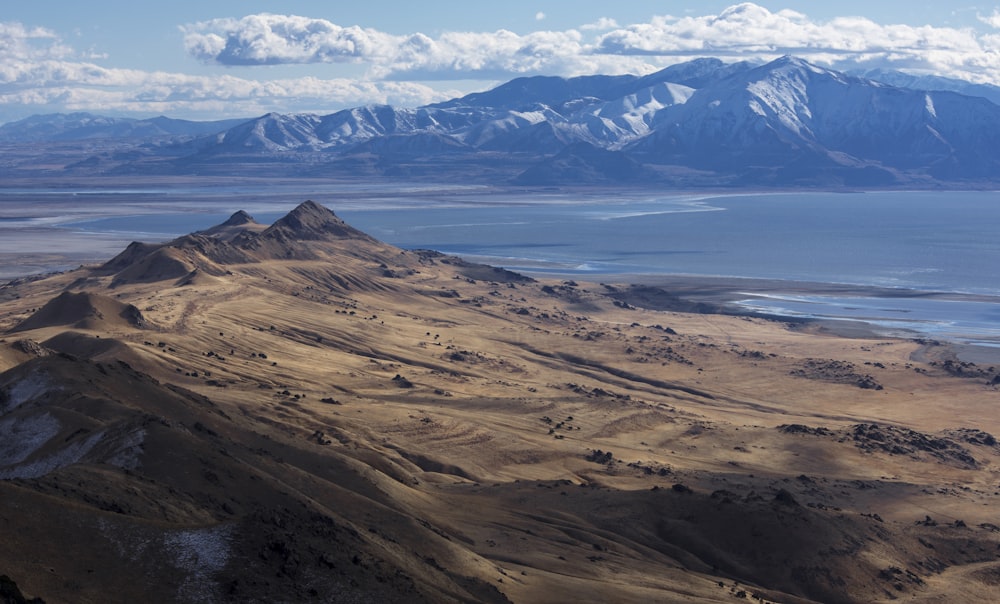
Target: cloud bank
(743, 31)
(270, 39)
(39, 72)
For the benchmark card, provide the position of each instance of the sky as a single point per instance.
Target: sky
(216, 59)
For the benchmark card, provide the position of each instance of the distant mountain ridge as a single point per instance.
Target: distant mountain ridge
(80, 126)
(700, 123)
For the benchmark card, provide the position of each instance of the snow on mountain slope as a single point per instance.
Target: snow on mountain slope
(789, 119)
(789, 109)
(272, 132)
(632, 115)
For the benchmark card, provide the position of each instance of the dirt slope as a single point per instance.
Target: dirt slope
(314, 415)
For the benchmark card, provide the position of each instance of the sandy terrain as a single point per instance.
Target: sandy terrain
(305, 413)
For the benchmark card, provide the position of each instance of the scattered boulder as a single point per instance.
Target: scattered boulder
(402, 382)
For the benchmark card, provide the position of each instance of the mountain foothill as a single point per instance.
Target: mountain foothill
(299, 412)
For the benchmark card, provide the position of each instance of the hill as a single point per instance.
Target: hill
(310, 414)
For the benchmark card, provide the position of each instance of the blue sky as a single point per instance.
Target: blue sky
(238, 58)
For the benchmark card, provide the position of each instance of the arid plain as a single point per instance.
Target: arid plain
(299, 412)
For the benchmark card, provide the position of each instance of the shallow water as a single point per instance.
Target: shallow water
(926, 241)
(961, 320)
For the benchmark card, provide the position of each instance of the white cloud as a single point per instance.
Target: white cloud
(539, 16)
(747, 30)
(38, 70)
(269, 39)
(991, 20)
(83, 88)
(18, 42)
(742, 31)
(602, 24)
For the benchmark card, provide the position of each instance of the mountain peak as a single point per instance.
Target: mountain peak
(236, 224)
(312, 221)
(794, 63)
(309, 212)
(239, 218)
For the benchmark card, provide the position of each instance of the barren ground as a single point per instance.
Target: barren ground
(361, 422)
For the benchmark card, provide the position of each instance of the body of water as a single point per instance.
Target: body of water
(925, 241)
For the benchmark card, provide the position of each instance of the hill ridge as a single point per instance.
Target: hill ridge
(330, 418)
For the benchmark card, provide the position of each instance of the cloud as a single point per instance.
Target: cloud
(747, 30)
(18, 42)
(742, 31)
(82, 87)
(991, 20)
(602, 24)
(539, 16)
(38, 71)
(270, 39)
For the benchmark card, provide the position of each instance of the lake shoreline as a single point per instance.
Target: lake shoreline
(711, 294)
(722, 295)
(619, 241)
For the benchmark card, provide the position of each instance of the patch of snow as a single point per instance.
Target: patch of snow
(200, 553)
(532, 117)
(25, 390)
(129, 448)
(929, 104)
(22, 437)
(69, 455)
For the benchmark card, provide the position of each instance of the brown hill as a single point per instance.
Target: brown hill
(235, 225)
(311, 221)
(83, 310)
(164, 492)
(309, 232)
(324, 417)
(313, 232)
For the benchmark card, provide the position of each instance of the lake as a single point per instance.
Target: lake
(925, 241)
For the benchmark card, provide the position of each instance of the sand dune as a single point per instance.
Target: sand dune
(311, 414)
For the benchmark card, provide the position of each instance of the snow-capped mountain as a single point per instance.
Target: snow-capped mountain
(704, 122)
(791, 113)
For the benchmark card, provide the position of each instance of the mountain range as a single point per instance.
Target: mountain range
(700, 123)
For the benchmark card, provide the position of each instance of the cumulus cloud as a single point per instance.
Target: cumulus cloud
(38, 70)
(267, 39)
(270, 39)
(539, 16)
(743, 31)
(991, 20)
(18, 42)
(602, 24)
